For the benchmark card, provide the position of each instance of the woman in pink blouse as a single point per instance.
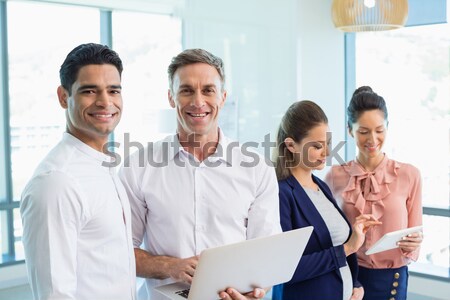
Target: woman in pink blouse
(388, 189)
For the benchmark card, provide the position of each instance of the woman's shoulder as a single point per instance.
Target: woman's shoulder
(342, 169)
(285, 183)
(403, 168)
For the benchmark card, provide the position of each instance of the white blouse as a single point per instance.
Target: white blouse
(338, 229)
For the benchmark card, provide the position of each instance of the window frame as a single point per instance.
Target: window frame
(7, 203)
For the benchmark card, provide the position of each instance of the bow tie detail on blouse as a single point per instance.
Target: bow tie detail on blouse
(369, 188)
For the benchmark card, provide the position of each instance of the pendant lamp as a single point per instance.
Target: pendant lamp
(369, 15)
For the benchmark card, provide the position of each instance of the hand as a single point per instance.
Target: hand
(183, 269)
(362, 223)
(232, 294)
(357, 294)
(411, 242)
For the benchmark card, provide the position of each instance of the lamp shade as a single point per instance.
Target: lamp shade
(369, 15)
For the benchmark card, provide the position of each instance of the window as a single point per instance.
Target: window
(410, 68)
(29, 71)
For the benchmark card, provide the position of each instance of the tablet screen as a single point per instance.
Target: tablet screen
(389, 240)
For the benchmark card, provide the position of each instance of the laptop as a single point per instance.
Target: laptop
(260, 262)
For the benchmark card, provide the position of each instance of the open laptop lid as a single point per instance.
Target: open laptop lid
(260, 262)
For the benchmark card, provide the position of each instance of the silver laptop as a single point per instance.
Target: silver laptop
(261, 262)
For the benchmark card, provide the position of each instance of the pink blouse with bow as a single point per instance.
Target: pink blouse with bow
(391, 192)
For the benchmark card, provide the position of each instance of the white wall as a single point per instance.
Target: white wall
(256, 39)
(321, 73)
(263, 44)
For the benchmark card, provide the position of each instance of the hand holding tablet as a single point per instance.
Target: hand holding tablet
(389, 240)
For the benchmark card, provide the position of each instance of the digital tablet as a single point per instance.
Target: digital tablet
(390, 239)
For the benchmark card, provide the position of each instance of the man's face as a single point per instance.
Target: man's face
(94, 107)
(198, 96)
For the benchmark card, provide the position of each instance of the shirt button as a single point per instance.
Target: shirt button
(395, 284)
(393, 292)
(200, 228)
(392, 298)
(396, 275)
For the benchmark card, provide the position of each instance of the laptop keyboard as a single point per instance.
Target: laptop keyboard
(183, 293)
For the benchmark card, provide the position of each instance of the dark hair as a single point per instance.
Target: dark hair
(299, 119)
(192, 56)
(364, 99)
(86, 54)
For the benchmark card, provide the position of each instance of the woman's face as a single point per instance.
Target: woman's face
(312, 150)
(369, 132)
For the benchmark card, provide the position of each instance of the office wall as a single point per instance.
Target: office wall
(257, 40)
(263, 44)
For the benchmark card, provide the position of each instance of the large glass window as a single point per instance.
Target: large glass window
(35, 54)
(410, 68)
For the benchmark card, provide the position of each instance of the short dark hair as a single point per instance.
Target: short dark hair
(364, 99)
(299, 119)
(86, 54)
(192, 56)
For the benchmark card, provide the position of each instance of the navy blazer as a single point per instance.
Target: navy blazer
(317, 275)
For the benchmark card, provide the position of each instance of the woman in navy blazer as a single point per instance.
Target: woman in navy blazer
(328, 268)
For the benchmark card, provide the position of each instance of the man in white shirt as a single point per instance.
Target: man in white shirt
(196, 189)
(75, 212)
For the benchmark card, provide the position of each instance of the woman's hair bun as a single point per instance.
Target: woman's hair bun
(363, 89)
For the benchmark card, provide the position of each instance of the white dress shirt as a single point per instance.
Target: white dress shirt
(182, 206)
(77, 227)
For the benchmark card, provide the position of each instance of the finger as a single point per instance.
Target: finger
(234, 294)
(407, 249)
(409, 245)
(258, 293)
(190, 270)
(193, 261)
(224, 295)
(186, 278)
(367, 217)
(411, 239)
(416, 235)
(371, 223)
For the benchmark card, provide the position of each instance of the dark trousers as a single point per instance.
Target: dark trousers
(384, 284)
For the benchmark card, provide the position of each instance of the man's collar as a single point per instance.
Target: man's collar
(220, 154)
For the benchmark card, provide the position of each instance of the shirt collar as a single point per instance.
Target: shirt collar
(175, 148)
(89, 151)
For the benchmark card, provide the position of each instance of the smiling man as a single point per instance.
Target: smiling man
(208, 194)
(75, 212)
